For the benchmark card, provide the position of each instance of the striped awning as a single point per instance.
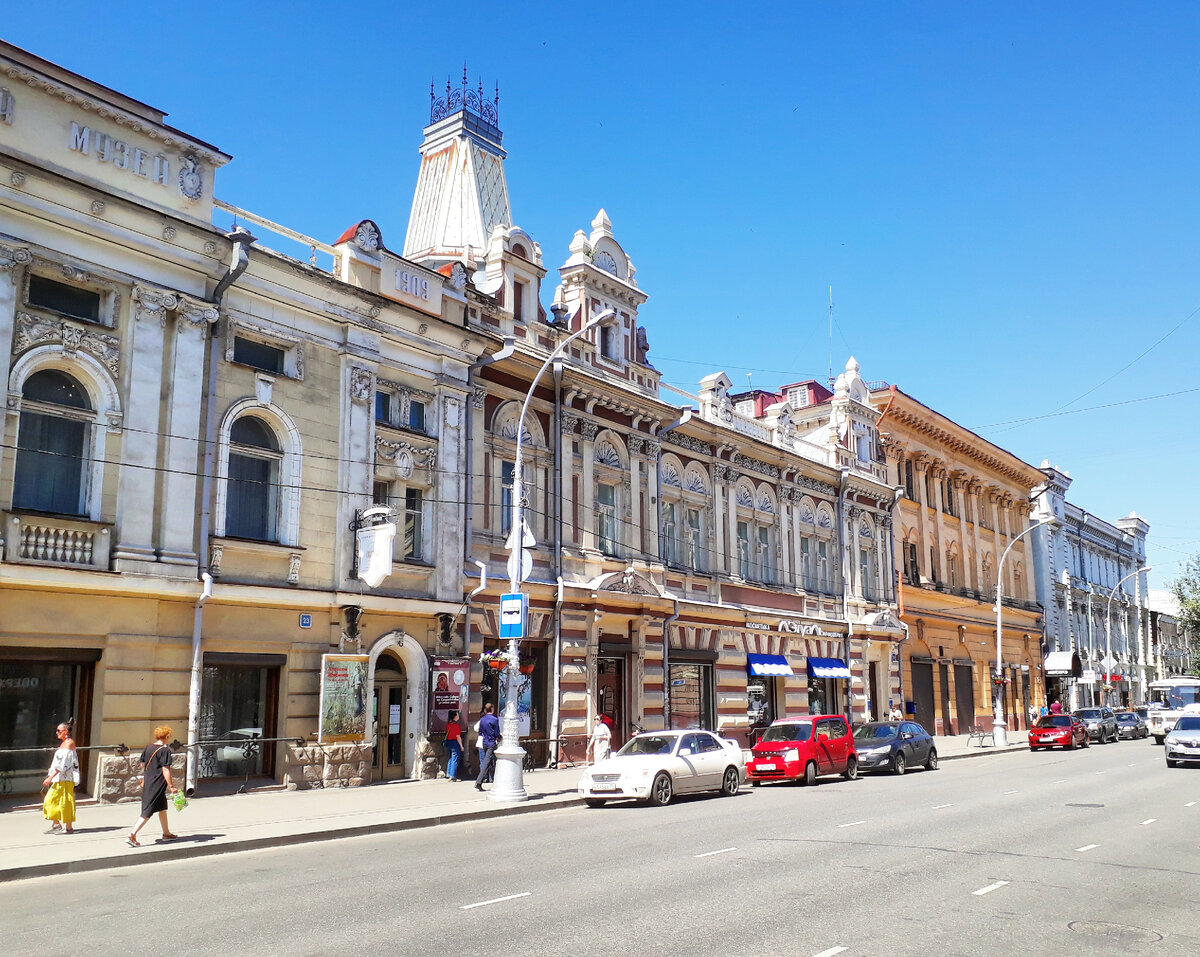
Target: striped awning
(774, 666)
(828, 668)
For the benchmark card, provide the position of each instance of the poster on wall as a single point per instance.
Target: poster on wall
(451, 685)
(524, 706)
(343, 698)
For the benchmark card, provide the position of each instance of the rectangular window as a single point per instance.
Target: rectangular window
(806, 569)
(250, 352)
(743, 549)
(238, 706)
(49, 468)
(669, 544)
(518, 301)
(507, 471)
(383, 407)
(610, 342)
(910, 488)
(798, 397)
(695, 556)
(252, 498)
(824, 582)
(413, 524)
(692, 696)
(381, 494)
(864, 571)
(766, 555)
(416, 415)
(606, 519)
(64, 299)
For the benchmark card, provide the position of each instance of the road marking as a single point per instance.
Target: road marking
(1061, 781)
(938, 807)
(1190, 804)
(852, 824)
(1100, 772)
(724, 850)
(1087, 847)
(830, 952)
(1133, 765)
(1149, 820)
(496, 900)
(1010, 792)
(989, 888)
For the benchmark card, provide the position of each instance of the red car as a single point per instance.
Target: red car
(802, 748)
(1058, 731)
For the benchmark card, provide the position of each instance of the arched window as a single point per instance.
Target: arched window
(253, 491)
(52, 444)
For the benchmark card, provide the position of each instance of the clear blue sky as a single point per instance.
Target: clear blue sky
(1004, 197)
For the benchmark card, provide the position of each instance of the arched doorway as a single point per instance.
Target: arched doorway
(389, 711)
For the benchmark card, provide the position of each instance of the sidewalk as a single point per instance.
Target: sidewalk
(272, 818)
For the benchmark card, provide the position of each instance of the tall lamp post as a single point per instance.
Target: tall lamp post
(1108, 633)
(999, 728)
(509, 782)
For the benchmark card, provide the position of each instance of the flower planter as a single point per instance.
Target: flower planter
(527, 667)
(497, 663)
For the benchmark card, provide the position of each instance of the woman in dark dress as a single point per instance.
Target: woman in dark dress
(156, 783)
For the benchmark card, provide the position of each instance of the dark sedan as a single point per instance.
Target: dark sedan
(1131, 725)
(894, 746)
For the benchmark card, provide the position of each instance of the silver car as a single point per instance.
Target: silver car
(1101, 723)
(1182, 743)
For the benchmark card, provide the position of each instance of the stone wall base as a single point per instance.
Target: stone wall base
(120, 774)
(327, 766)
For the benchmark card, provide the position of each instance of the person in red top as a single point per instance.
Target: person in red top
(453, 746)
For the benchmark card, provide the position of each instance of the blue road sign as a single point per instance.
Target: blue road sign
(512, 615)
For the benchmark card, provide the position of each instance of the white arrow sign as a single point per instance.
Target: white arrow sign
(526, 565)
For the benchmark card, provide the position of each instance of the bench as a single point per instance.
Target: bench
(978, 733)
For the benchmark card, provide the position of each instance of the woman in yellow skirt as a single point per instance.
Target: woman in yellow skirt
(59, 806)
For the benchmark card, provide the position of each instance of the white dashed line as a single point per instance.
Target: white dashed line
(1087, 847)
(938, 807)
(1101, 772)
(1149, 820)
(830, 952)
(1010, 792)
(1190, 804)
(989, 888)
(497, 900)
(852, 824)
(724, 850)
(1133, 765)
(1061, 781)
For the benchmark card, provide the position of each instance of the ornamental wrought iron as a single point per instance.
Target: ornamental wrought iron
(463, 97)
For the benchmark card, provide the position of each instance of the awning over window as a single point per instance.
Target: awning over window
(828, 668)
(1063, 664)
(774, 666)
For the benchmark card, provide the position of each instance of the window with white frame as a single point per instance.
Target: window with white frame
(53, 442)
(695, 540)
(670, 532)
(797, 396)
(807, 580)
(606, 518)
(399, 407)
(409, 506)
(252, 491)
(824, 570)
(610, 342)
(743, 549)
(508, 471)
(274, 352)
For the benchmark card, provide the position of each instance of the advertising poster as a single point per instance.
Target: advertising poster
(524, 706)
(451, 684)
(343, 698)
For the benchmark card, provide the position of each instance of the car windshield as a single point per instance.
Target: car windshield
(1127, 718)
(1088, 714)
(650, 744)
(875, 732)
(1175, 697)
(788, 732)
(1054, 721)
(1188, 723)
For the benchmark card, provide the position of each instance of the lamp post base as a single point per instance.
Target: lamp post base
(999, 733)
(508, 784)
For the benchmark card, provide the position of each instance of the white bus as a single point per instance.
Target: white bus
(1168, 700)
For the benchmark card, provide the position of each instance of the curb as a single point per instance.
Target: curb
(546, 802)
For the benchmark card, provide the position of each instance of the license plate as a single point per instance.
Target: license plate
(605, 787)
(767, 767)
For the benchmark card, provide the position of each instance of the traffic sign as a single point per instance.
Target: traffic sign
(526, 565)
(513, 608)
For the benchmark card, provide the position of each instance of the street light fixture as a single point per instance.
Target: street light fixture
(1108, 662)
(508, 783)
(999, 728)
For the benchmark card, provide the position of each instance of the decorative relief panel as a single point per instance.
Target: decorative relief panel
(10, 258)
(745, 462)
(607, 455)
(403, 456)
(39, 330)
(361, 389)
(687, 442)
(670, 476)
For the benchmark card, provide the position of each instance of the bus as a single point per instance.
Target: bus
(1168, 700)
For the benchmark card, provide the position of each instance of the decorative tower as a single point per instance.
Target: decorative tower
(461, 193)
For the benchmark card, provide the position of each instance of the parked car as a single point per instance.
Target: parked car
(1131, 725)
(1182, 743)
(894, 746)
(800, 749)
(1101, 723)
(1058, 731)
(654, 766)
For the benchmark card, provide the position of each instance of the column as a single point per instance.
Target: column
(136, 501)
(10, 262)
(731, 478)
(566, 431)
(920, 467)
(587, 511)
(184, 455)
(653, 451)
(939, 510)
(718, 524)
(634, 533)
(853, 512)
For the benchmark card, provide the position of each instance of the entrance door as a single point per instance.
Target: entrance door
(922, 690)
(964, 694)
(944, 677)
(390, 700)
(877, 712)
(610, 696)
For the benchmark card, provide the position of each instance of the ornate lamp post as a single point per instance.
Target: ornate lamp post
(509, 784)
(999, 728)
(1108, 634)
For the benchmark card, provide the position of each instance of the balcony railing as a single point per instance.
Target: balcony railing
(47, 540)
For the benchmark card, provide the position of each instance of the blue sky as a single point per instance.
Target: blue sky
(1004, 197)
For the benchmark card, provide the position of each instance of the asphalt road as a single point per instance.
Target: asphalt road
(1092, 852)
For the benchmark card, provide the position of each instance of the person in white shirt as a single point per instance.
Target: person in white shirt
(59, 806)
(897, 714)
(600, 743)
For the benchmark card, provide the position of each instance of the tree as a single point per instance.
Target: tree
(1186, 589)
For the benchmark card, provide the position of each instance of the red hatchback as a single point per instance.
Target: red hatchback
(802, 748)
(1058, 731)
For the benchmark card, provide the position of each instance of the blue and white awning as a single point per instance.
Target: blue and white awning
(828, 668)
(773, 666)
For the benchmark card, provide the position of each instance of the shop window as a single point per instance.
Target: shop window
(253, 484)
(760, 702)
(36, 695)
(237, 706)
(692, 696)
(52, 444)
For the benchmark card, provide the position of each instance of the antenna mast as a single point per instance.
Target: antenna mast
(831, 337)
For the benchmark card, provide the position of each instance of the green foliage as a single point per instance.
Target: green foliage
(1187, 589)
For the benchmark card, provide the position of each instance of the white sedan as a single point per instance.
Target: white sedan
(654, 766)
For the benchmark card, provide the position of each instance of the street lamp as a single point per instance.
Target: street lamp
(999, 728)
(508, 781)
(1108, 662)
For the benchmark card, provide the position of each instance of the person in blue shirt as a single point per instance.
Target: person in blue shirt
(489, 737)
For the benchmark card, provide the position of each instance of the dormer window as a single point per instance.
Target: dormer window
(610, 342)
(518, 300)
(797, 397)
(746, 407)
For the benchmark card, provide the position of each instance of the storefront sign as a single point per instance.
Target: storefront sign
(792, 627)
(343, 698)
(1087, 678)
(451, 683)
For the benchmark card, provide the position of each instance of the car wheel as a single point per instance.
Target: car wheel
(1073, 745)
(662, 790)
(1086, 742)
(730, 782)
(594, 802)
(898, 763)
(931, 762)
(810, 774)
(851, 771)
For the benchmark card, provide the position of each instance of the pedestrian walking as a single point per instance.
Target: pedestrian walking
(600, 743)
(489, 737)
(63, 774)
(1033, 714)
(453, 746)
(1055, 707)
(156, 783)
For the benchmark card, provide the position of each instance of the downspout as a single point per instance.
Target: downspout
(556, 566)
(238, 261)
(467, 613)
(683, 419)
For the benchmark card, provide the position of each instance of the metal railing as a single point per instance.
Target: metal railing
(250, 747)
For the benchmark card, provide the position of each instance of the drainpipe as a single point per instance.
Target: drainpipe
(556, 566)
(667, 623)
(467, 614)
(506, 351)
(238, 261)
(556, 691)
(845, 568)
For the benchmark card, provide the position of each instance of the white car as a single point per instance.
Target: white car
(1182, 743)
(654, 766)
